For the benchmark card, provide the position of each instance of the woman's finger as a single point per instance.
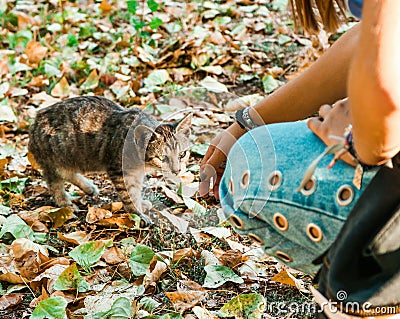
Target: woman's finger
(314, 125)
(324, 110)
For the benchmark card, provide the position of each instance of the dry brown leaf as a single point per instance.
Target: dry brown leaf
(172, 195)
(113, 256)
(231, 258)
(61, 89)
(158, 268)
(25, 20)
(121, 221)
(31, 218)
(28, 257)
(35, 52)
(183, 301)
(77, 237)
(105, 6)
(96, 214)
(10, 300)
(113, 207)
(217, 38)
(12, 278)
(183, 253)
(284, 278)
(189, 285)
(47, 278)
(4, 67)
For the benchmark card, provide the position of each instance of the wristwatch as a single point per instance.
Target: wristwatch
(244, 120)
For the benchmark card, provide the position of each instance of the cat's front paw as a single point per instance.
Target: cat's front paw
(94, 191)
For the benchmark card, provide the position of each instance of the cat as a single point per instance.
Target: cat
(93, 134)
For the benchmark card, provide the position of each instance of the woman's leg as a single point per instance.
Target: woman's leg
(258, 193)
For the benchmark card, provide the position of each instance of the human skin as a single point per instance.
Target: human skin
(323, 83)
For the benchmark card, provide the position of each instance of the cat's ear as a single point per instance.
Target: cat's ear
(184, 125)
(142, 135)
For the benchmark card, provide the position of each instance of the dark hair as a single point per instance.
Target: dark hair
(312, 14)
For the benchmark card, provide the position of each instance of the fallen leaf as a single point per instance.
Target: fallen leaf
(231, 258)
(113, 256)
(284, 278)
(77, 237)
(48, 277)
(181, 224)
(95, 214)
(10, 300)
(113, 207)
(60, 215)
(28, 257)
(52, 308)
(244, 306)
(213, 85)
(140, 259)
(183, 253)
(89, 253)
(61, 89)
(91, 82)
(184, 300)
(70, 278)
(105, 6)
(218, 275)
(35, 52)
(155, 274)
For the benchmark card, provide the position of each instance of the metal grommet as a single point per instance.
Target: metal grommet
(236, 221)
(310, 187)
(314, 232)
(255, 238)
(283, 256)
(280, 222)
(345, 195)
(231, 187)
(274, 180)
(245, 180)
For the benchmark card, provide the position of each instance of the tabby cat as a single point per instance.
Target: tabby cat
(92, 134)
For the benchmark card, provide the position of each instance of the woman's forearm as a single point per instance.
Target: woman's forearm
(374, 83)
(324, 82)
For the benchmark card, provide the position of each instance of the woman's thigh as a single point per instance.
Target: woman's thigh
(258, 193)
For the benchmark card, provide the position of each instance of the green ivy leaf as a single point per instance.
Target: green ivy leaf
(17, 228)
(218, 275)
(140, 259)
(153, 5)
(148, 304)
(269, 83)
(70, 278)
(245, 306)
(155, 23)
(171, 315)
(132, 6)
(52, 308)
(121, 309)
(14, 184)
(88, 254)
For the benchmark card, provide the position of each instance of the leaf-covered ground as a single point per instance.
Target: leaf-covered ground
(97, 263)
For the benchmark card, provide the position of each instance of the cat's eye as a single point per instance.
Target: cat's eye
(163, 158)
(182, 154)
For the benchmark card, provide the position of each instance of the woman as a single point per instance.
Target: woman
(265, 167)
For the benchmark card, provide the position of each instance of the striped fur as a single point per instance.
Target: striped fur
(92, 134)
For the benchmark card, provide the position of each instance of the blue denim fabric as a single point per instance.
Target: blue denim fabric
(288, 148)
(355, 7)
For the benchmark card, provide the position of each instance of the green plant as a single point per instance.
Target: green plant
(139, 21)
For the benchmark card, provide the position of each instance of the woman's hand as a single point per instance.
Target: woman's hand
(213, 164)
(331, 124)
